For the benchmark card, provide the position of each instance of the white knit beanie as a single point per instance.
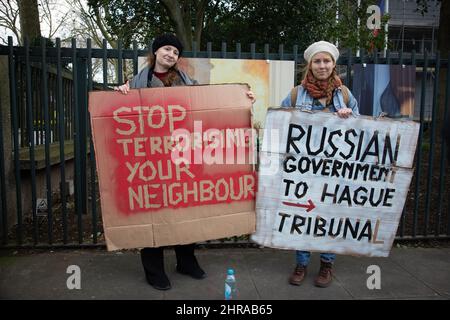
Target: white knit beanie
(321, 46)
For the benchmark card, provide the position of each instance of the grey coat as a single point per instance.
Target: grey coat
(140, 80)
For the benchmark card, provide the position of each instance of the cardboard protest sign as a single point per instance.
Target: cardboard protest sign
(333, 185)
(268, 79)
(174, 164)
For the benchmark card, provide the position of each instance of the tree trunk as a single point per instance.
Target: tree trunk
(182, 25)
(29, 21)
(200, 19)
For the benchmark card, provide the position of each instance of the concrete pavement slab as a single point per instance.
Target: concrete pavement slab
(351, 272)
(411, 273)
(447, 250)
(215, 263)
(103, 276)
(430, 265)
(271, 268)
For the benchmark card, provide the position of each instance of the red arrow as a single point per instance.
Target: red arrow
(309, 206)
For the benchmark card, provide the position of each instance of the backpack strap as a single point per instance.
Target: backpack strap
(294, 92)
(345, 94)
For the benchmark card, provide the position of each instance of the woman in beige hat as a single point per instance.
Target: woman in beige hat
(322, 90)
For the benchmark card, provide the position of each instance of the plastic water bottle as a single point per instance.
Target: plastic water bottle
(230, 285)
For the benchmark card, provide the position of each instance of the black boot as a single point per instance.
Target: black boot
(153, 262)
(187, 262)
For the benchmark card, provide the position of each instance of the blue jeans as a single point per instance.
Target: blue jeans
(303, 257)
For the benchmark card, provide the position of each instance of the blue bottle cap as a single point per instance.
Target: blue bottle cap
(230, 272)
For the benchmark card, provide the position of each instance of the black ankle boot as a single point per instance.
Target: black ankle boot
(187, 263)
(153, 262)
(159, 282)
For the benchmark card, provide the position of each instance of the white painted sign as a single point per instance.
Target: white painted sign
(333, 185)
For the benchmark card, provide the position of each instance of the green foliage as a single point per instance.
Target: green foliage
(353, 35)
(298, 22)
(138, 20)
(273, 22)
(289, 22)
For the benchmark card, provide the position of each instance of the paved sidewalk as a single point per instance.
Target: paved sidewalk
(409, 273)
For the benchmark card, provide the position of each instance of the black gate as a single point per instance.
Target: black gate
(48, 183)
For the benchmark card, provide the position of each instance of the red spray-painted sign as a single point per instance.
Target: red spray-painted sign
(173, 147)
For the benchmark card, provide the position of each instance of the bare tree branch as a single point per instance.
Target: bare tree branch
(200, 19)
(53, 17)
(101, 25)
(9, 15)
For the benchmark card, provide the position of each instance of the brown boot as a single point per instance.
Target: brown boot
(325, 275)
(298, 276)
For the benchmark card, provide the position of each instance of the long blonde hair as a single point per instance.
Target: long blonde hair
(318, 88)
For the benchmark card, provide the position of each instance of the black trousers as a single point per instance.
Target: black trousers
(153, 258)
